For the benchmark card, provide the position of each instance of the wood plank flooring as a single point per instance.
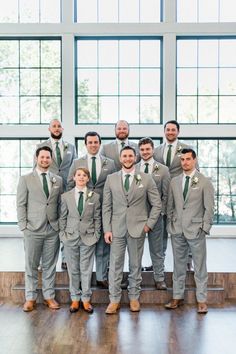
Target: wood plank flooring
(152, 331)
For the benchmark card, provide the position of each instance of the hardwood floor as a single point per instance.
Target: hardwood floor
(152, 331)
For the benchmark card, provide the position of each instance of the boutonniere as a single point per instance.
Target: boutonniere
(138, 179)
(89, 195)
(156, 168)
(194, 181)
(179, 149)
(53, 180)
(104, 163)
(65, 146)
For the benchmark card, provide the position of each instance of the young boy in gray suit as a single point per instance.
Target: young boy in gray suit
(80, 229)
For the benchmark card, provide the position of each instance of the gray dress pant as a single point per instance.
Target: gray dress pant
(181, 246)
(135, 248)
(45, 245)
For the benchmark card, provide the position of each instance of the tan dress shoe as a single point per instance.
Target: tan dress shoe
(52, 304)
(202, 307)
(87, 307)
(112, 308)
(74, 307)
(134, 305)
(29, 305)
(174, 303)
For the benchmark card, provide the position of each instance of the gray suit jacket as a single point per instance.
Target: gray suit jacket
(107, 167)
(124, 211)
(111, 150)
(87, 226)
(68, 157)
(34, 210)
(161, 176)
(175, 168)
(196, 212)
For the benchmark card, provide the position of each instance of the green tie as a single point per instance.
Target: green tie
(122, 144)
(45, 185)
(58, 153)
(94, 171)
(81, 203)
(168, 157)
(146, 167)
(126, 185)
(186, 184)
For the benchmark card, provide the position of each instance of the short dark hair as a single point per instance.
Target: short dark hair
(128, 147)
(84, 169)
(47, 148)
(144, 141)
(172, 122)
(91, 134)
(187, 150)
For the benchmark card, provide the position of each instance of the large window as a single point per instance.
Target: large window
(30, 80)
(119, 11)
(206, 80)
(30, 11)
(118, 79)
(16, 159)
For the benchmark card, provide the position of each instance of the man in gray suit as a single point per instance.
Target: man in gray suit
(99, 167)
(169, 154)
(112, 150)
(63, 154)
(190, 211)
(161, 176)
(127, 218)
(38, 203)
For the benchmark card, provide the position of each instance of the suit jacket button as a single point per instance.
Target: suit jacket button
(80, 219)
(184, 208)
(47, 203)
(59, 170)
(127, 206)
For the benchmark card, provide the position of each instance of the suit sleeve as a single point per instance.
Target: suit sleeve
(97, 218)
(165, 189)
(170, 203)
(208, 202)
(155, 203)
(63, 215)
(70, 181)
(21, 202)
(107, 206)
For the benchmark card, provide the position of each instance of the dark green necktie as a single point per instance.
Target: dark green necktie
(146, 167)
(186, 185)
(81, 203)
(122, 144)
(168, 157)
(45, 184)
(94, 170)
(126, 184)
(58, 153)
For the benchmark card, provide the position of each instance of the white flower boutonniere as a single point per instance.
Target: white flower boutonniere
(138, 179)
(156, 168)
(53, 180)
(90, 194)
(179, 149)
(194, 181)
(104, 163)
(65, 146)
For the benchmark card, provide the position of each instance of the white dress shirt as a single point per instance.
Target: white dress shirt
(150, 165)
(77, 195)
(131, 178)
(98, 164)
(60, 145)
(47, 177)
(173, 150)
(184, 178)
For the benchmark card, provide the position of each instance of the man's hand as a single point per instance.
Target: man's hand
(108, 237)
(146, 229)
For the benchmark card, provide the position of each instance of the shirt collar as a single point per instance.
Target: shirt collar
(150, 162)
(122, 141)
(174, 144)
(191, 175)
(77, 190)
(90, 156)
(132, 173)
(39, 172)
(53, 141)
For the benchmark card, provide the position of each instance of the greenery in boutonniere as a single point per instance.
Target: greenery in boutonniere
(156, 168)
(138, 179)
(194, 181)
(104, 163)
(90, 194)
(53, 180)
(65, 146)
(179, 149)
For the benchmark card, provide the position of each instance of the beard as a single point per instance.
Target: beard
(56, 137)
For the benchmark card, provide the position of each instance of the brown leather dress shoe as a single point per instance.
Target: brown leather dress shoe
(202, 308)
(174, 303)
(52, 304)
(112, 308)
(87, 307)
(134, 305)
(102, 284)
(29, 305)
(161, 285)
(74, 307)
